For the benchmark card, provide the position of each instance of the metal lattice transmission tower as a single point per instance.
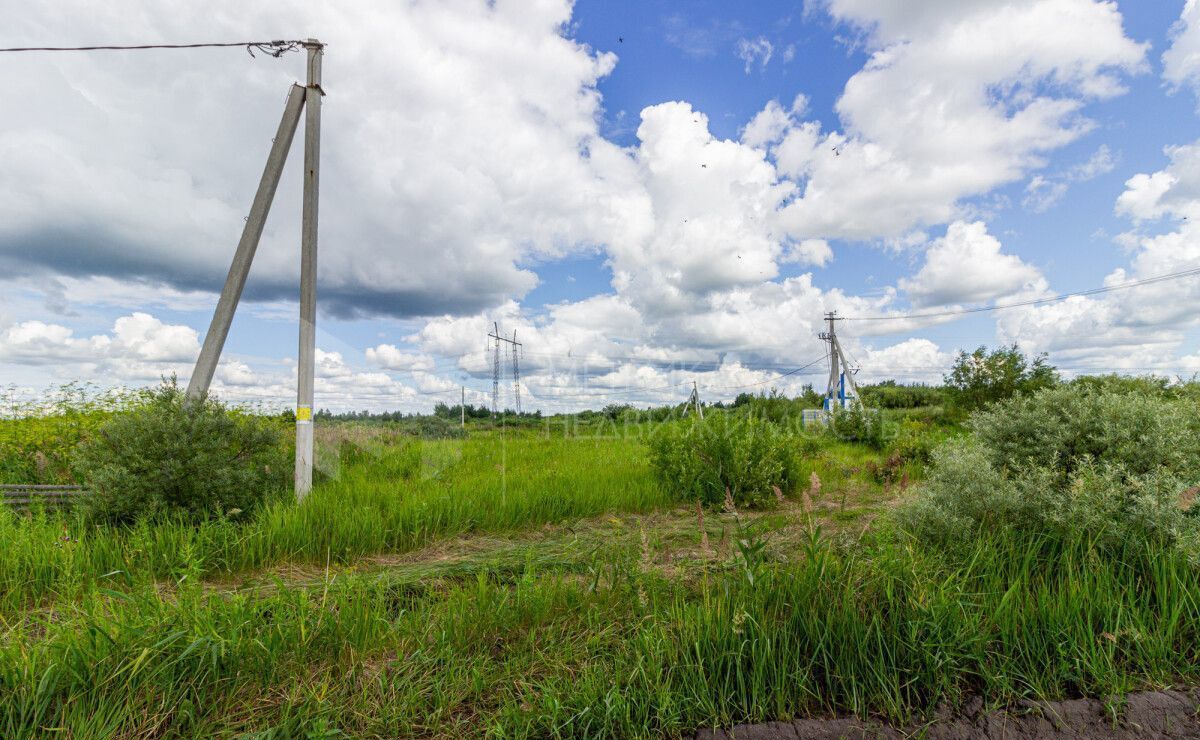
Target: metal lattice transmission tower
(515, 346)
(842, 391)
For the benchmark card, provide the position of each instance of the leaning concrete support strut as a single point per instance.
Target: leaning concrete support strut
(235, 281)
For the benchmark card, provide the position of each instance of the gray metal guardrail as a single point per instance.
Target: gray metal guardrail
(22, 496)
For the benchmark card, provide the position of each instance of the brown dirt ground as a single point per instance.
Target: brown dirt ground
(1147, 714)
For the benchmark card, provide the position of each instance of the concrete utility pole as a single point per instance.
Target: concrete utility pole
(239, 269)
(842, 390)
(462, 407)
(305, 369)
(694, 401)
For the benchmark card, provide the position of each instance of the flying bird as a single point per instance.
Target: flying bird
(620, 39)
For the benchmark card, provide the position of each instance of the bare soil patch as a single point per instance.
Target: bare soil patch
(1146, 714)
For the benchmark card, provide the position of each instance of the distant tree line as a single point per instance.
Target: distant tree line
(445, 411)
(327, 415)
(977, 379)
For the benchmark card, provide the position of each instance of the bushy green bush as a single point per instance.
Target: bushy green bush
(777, 407)
(432, 427)
(164, 456)
(1135, 431)
(858, 424)
(746, 455)
(892, 395)
(1113, 466)
(915, 440)
(1148, 385)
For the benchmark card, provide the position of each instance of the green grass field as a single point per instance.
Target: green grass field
(546, 585)
(490, 483)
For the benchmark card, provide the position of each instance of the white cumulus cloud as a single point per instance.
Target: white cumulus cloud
(140, 347)
(390, 357)
(968, 265)
(950, 106)
(1181, 61)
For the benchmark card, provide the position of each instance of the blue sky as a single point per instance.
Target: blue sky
(649, 193)
(698, 63)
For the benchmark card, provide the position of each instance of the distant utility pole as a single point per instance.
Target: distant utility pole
(842, 391)
(306, 365)
(694, 401)
(462, 407)
(515, 345)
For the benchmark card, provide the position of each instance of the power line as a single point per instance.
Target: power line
(275, 48)
(1195, 271)
(605, 361)
(445, 392)
(751, 367)
(606, 394)
(768, 380)
(634, 391)
(682, 383)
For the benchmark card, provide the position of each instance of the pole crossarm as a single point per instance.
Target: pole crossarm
(513, 342)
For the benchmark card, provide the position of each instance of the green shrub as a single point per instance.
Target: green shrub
(431, 427)
(915, 440)
(858, 424)
(1073, 461)
(166, 457)
(1062, 428)
(891, 395)
(702, 458)
(1148, 385)
(777, 407)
